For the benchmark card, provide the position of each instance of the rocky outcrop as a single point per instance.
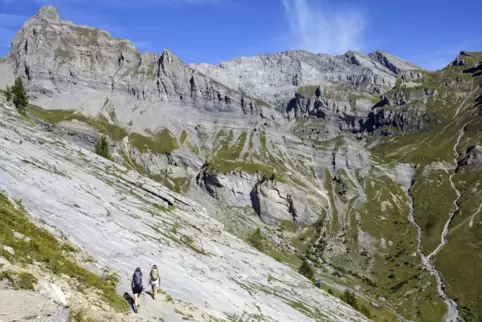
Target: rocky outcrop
(271, 200)
(284, 72)
(471, 160)
(394, 64)
(408, 119)
(56, 56)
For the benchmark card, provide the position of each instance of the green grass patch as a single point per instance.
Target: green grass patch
(305, 239)
(263, 146)
(307, 90)
(395, 270)
(433, 199)
(261, 243)
(288, 225)
(225, 166)
(101, 123)
(49, 252)
(459, 261)
(225, 151)
(19, 280)
(178, 185)
(80, 316)
(160, 142)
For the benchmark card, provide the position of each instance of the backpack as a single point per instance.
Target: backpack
(137, 278)
(154, 274)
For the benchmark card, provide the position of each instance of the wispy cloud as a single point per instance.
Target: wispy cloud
(316, 28)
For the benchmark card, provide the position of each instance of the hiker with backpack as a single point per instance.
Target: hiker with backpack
(154, 280)
(137, 286)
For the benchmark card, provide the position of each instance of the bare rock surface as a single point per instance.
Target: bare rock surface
(124, 220)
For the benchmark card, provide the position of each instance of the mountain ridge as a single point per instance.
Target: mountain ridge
(346, 162)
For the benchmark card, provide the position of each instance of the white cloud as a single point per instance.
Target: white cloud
(318, 29)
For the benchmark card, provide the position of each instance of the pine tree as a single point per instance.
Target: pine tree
(19, 95)
(102, 148)
(8, 94)
(306, 270)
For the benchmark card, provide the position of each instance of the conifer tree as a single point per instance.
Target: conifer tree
(19, 95)
(102, 148)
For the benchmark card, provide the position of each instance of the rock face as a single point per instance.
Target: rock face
(271, 200)
(277, 75)
(56, 56)
(344, 161)
(95, 202)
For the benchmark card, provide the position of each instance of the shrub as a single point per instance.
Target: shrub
(306, 270)
(19, 281)
(80, 316)
(102, 148)
(256, 240)
(349, 298)
(8, 94)
(365, 311)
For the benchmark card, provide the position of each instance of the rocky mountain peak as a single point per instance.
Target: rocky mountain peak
(169, 57)
(395, 64)
(48, 12)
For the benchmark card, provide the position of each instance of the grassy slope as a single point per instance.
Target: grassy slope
(49, 252)
(160, 142)
(397, 273)
(460, 259)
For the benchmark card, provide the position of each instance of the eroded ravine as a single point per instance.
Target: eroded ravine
(452, 312)
(445, 232)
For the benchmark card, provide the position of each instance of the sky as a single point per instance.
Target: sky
(429, 33)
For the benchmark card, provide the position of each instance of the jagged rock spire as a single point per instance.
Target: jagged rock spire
(48, 12)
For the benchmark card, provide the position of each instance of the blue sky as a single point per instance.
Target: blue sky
(427, 32)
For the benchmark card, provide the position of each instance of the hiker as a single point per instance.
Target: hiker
(137, 285)
(318, 283)
(154, 280)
